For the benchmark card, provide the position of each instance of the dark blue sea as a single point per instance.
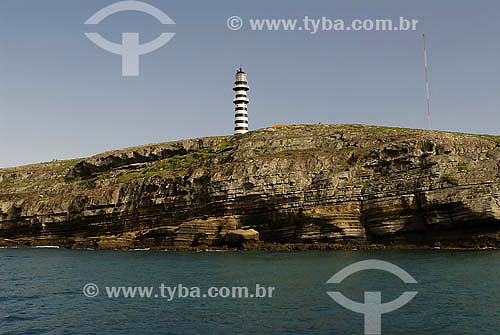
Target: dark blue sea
(41, 292)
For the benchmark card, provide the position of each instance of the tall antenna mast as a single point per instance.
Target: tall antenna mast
(427, 89)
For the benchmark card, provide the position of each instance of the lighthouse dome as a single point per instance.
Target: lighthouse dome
(241, 76)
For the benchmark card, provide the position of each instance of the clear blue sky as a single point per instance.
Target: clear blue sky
(63, 97)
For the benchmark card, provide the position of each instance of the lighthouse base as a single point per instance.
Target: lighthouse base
(241, 131)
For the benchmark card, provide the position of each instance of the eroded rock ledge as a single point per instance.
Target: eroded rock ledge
(294, 187)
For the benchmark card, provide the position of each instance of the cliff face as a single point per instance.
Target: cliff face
(310, 186)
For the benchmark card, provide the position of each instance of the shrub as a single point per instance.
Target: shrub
(450, 180)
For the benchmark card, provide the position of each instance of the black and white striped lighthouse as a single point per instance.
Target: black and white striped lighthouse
(241, 102)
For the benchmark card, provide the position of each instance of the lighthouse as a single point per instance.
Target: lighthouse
(241, 101)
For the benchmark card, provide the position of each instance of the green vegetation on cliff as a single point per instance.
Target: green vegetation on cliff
(344, 142)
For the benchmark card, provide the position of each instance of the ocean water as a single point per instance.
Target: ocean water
(41, 292)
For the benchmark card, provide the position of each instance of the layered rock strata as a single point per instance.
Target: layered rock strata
(303, 186)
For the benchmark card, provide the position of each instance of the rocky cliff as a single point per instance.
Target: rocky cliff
(303, 186)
